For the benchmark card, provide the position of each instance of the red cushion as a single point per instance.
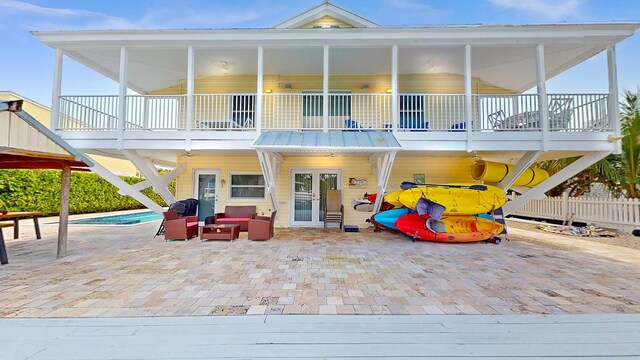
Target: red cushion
(232, 220)
(190, 224)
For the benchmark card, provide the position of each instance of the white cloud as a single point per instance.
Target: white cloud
(26, 7)
(552, 9)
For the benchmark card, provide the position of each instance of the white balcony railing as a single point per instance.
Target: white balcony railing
(372, 112)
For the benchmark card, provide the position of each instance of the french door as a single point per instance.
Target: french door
(206, 187)
(309, 194)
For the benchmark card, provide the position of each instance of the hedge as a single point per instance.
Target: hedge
(39, 190)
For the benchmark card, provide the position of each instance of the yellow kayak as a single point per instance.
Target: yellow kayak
(393, 198)
(457, 200)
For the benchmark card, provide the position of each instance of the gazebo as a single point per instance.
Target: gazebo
(27, 144)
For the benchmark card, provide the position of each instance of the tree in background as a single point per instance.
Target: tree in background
(630, 118)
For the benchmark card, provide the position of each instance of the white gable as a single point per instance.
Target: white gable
(323, 10)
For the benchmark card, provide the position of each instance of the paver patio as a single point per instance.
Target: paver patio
(123, 271)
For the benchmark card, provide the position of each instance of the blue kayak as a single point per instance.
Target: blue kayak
(387, 219)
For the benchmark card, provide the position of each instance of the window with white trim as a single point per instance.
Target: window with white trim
(246, 186)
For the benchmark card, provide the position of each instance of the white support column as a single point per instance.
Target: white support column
(149, 171)
(259, 89)
(613, 110)
(555, 180)
(384, 171)
(395, 113)
(269, 164)
(543, 100)
(325, 89)
(57, 89)
(523, 164)
(190, 87)
(122, 94)
(468, 100)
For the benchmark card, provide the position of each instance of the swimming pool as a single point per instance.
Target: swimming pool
(123, 219)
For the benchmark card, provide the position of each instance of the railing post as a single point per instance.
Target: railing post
(325, 89)
(57, 88)
(190, 87)
(543, 101)
(259, 91)
(612, 107)
(122, 95)
(394, 88)
(467, 93)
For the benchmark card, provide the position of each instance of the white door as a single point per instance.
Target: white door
(206, 185)
(308, 195)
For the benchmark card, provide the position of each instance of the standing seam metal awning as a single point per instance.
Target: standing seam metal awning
(336, 141)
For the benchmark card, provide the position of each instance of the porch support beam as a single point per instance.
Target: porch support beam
(190, 87)
(543, 101)
(468, 100)
(259, 89)
(555, 180)
(122, 94)
(384, 171)
(149, 171)
(325, 89)
(57, 89)
(163, 180)
(126, 189)
(394, 89)
(269, 163)
(523, 164)
(614, 112)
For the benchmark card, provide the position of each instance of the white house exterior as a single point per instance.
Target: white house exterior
(273, 116)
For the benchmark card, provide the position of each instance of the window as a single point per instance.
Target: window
(412, 112)
(243, 110)
(247, 186)
(339, 104)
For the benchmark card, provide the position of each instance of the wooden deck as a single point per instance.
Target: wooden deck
(596, 336)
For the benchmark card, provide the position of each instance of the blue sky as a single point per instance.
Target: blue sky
(27, 65)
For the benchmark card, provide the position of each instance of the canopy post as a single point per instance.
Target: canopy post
(384, 171)
(269, 164)
(63, 224)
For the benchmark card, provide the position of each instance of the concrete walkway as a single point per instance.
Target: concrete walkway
(324, 337)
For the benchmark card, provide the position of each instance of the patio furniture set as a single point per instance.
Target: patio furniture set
(222, 226)
(15, 218)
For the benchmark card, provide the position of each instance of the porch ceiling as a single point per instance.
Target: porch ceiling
(509, 65)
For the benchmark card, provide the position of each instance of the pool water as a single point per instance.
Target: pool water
(124, 219)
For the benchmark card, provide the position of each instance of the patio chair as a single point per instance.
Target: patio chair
(560, 112)
(413, 123)
(333, 208)
(496, 119)
(458, 127)
(261, 228)
(179, 228)
(352, 125)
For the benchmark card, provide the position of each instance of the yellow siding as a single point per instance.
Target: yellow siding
(436, 169)
(43, 115)
(326, 21)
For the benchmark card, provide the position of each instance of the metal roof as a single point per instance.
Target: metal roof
(335, 141)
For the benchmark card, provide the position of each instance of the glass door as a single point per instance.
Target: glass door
(205, 189)
(309, 193)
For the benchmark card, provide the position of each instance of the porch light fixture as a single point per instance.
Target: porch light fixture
(388, 91)
(268, 91)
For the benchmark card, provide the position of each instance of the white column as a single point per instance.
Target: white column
(190, 87)
(467, 94)
(394, 88)
(57, 88)
(543, 101)
(259, 90)
(122, 94)
(325, 89)
(614, 112)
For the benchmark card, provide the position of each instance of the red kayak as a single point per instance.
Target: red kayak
(385, 205)
(451, 228)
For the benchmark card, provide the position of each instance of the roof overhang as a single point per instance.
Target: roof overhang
(326, 9)
(327, 142)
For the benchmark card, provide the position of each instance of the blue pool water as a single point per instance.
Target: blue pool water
(125, 219)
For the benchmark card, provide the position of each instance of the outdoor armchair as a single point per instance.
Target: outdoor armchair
(179, 228)
(261, 228)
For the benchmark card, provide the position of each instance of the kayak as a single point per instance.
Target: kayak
(362, 205)
(384, 206)
(386, 219)
(458, 199)
(393, 198)
(451, 229)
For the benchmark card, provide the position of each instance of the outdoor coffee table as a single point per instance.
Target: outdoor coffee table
(219, 232)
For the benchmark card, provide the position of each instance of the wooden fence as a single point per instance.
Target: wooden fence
(621, 214)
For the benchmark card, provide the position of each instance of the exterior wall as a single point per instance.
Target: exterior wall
(436, 170)
(326, 21)
(43, 115)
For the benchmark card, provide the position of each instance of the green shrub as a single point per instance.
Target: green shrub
(39, 190)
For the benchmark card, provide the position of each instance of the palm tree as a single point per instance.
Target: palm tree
(604, 172)
(630, 126)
